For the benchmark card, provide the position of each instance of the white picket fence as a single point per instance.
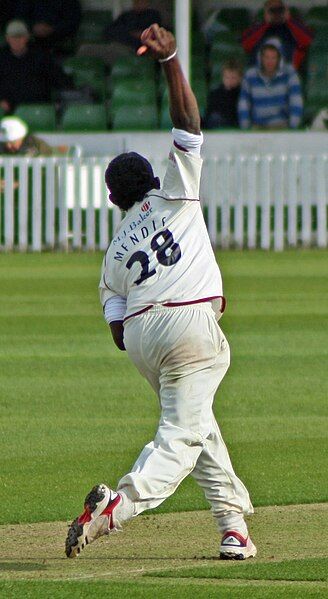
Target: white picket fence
(265, 201)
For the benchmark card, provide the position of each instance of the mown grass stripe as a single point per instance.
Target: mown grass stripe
(315, 570)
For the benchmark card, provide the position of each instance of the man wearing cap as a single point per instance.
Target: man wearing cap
(15, 139)
(27, 74)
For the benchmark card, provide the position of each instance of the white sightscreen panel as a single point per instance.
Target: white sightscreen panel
(23, 206)
(51, 187)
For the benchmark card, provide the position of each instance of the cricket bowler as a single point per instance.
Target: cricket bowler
(161, 292)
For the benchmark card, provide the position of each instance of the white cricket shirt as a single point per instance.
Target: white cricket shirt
(161, 252)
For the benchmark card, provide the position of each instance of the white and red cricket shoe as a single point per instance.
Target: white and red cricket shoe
(96, 520)
(235, 546)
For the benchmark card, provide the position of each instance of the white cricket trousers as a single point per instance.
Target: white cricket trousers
(184, 355)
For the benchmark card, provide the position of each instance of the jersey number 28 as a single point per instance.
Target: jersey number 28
(167, 253)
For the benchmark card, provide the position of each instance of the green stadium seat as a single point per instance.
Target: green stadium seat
(225, 41)
(317, 76)
(320, 41)
(143, 117)
(87, 71)
(39, 117)
(93, 80)
(84, 117)
(83, 63)
(132, 67)
(132, 92)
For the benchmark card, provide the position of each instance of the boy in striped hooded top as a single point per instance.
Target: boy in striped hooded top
(270, 95)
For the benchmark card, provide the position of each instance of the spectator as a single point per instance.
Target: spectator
(222, 102)
(270, 95)
(17, 140)
(294, 35)
(123, 35)
(50, 21)
(129, 25)
(27, 75)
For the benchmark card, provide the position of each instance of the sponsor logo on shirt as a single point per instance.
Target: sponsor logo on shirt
(145, 207)
(135, 223)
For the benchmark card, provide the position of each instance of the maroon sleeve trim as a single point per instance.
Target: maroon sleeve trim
(157, 195)
(253, 35)
(180, 147)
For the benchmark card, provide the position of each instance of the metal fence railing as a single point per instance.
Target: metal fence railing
(266, 201)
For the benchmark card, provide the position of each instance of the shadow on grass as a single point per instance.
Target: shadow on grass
(121, 558)
(21, 566)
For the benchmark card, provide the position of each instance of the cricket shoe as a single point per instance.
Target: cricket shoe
(96, 520)
(235, 546)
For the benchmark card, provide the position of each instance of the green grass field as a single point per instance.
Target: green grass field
(74, 411)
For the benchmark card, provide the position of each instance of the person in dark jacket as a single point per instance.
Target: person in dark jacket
(50, 21)
(123, 35)
(222, 102)
(295, 37)
(127, 28)
(27, 74)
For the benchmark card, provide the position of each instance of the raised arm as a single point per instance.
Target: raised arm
(183, 104)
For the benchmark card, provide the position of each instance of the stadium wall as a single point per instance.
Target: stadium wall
(100, 144)
(273, 198)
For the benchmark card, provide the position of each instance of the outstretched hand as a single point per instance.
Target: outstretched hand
(160, 42)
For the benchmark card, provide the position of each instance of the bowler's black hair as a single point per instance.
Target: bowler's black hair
(129, 177)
